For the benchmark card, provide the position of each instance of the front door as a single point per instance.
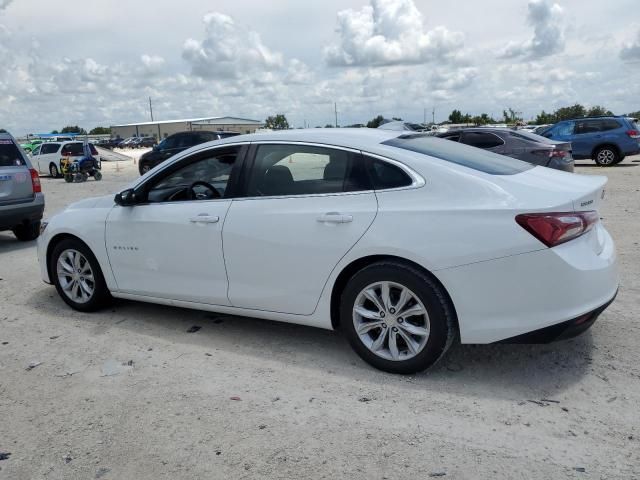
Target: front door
(170, 245)
(305, 208)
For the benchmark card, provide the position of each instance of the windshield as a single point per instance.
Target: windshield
(9, 154)
(470, 157)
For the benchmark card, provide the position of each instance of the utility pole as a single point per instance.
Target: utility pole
(424, 118)
(150, 109)
(335, 111)
(433, 115)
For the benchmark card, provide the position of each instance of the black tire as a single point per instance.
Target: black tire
(607, 156)
(54, 171)
(440, 311)
(27, 232)
(97, 175)
(68, 178)
(101, 296)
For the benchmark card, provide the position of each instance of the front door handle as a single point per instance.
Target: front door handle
(204, 218)
(335, 217)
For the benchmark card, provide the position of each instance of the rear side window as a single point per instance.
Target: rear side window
(475, 158)
(9, 154)
(481, 139)
(385, 175)
(49, 148)
(609, 124)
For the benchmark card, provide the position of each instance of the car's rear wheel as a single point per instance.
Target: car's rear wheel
(27, 232)
(53, 170)
(606, 156)
(77, 276)
(396, 317)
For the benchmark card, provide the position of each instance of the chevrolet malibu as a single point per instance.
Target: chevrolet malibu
(403, 241)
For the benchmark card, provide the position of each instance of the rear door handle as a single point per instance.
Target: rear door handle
(335, 217)
(204, 218)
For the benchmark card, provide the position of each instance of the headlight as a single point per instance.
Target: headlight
(43, 225)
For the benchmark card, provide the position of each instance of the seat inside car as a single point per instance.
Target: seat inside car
(277, 180)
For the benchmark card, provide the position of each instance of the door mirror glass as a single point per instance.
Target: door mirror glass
(126, 198)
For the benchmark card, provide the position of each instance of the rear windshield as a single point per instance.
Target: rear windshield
(9, 154)
(77, 149)
(470, 157)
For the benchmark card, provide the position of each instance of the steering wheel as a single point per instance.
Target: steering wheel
(202, 196)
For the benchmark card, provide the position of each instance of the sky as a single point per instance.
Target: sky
(96, 63)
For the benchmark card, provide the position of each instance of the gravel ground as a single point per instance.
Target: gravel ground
(129, 394)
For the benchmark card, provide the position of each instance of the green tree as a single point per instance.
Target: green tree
(482, 119)
(375, 122)
(277, 122)
(597, 110)
(54, 132)
(567, 113)
(100, 131)
(510, 116)
(328, 125)
(544, 118)
(73, 129)
(2, 130)
(633, 114)
(456, 117)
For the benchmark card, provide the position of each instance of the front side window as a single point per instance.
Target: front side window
(305, 170)
(562, 129)
(481, 139)
(36, 151)
(206, 178)
(588, 126)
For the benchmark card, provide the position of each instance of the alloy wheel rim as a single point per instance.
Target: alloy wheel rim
(606, 156)
(53, 170)
(391, 321)
(75, 276)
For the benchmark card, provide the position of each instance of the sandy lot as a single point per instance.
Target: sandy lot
(129, 394)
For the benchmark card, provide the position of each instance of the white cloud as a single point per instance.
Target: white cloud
(4, 4)
(631, 51)
(547, 20)
(389, 32)
(152, 64)
(228, 50)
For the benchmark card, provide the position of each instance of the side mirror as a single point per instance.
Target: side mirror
(126, 198)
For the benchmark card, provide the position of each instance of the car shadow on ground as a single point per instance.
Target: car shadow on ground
(496, 371)
(9, 243)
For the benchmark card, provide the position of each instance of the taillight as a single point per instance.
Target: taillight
(553, 229)
(35, 181)
(633, 133)
(558, 153)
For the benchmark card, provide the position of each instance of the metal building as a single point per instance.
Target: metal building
(164, 128)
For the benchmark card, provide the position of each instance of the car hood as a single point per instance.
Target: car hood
(94, 202)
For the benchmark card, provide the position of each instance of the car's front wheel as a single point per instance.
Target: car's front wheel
(607, 156)
(396, 317)
(77, 276)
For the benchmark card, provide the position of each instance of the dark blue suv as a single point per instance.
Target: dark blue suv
(607, 140)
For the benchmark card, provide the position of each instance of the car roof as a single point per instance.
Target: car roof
(357, 138)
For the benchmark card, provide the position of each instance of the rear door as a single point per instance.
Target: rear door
(15, 179)
(305, 207)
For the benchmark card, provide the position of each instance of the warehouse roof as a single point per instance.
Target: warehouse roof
(199, 121)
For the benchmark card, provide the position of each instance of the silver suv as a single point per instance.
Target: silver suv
(21, 197)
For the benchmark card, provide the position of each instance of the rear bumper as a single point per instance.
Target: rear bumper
(561, 331)
(21, 213)
(516, 295)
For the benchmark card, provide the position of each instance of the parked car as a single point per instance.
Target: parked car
(399, 125)
(29, 145)
(607, 140)
(47, 156)
(519, 144)
(401, 240)
(109, 143)
(143, 142)
(176, 143)
(127, 142)
(21, 197)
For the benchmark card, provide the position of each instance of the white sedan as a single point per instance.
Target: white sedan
(403, 241)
